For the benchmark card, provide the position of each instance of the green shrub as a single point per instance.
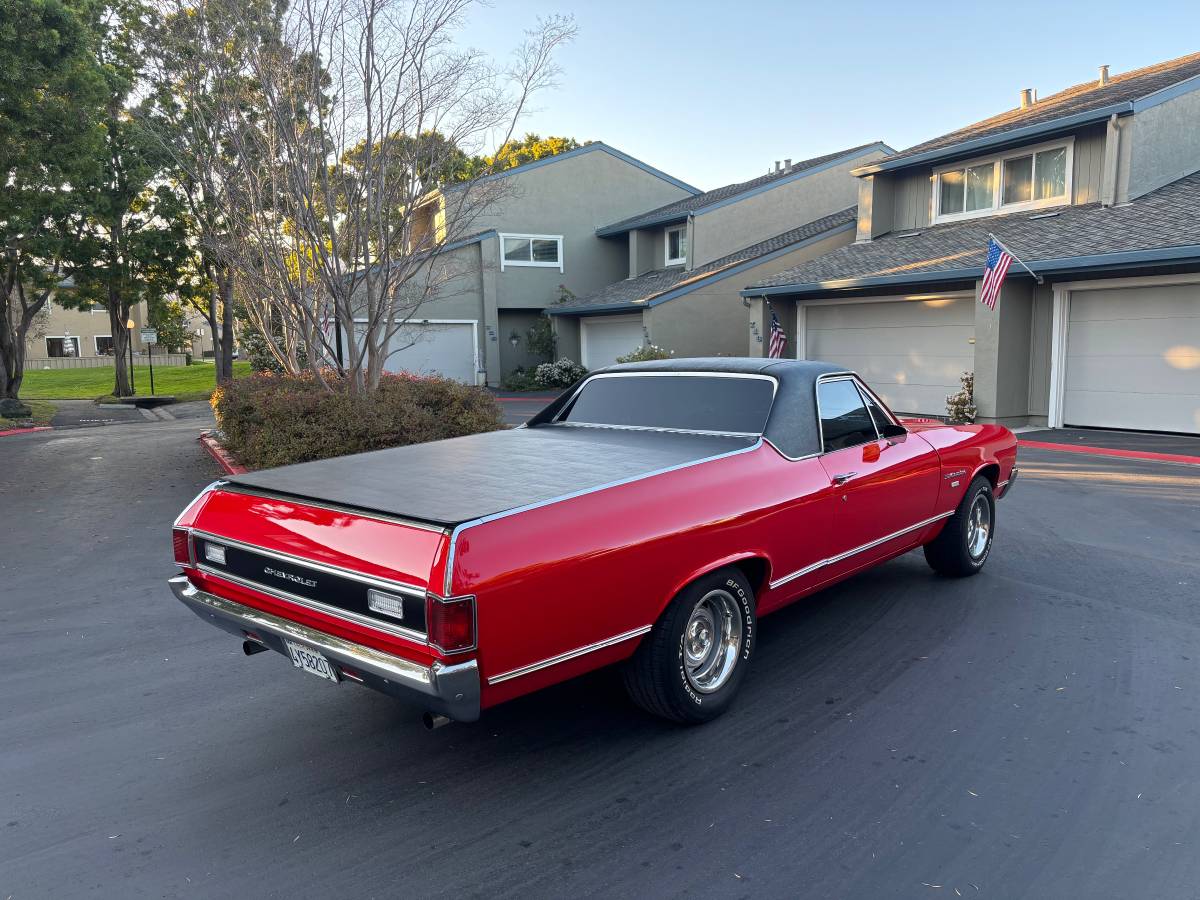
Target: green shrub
(561, 373)
(644, 353)
(273, 420)
(960, 407)
(520, 379)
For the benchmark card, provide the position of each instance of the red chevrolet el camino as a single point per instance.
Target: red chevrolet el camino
(650, 516)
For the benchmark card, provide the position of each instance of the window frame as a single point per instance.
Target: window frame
(96, 343)
(668, 260)
(997, 160)
(864, 392)
(531, 263)
(64, 337)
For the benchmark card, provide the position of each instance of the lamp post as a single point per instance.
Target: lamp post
(131, 325)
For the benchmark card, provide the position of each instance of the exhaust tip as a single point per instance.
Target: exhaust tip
(433, 721)
(252, 647)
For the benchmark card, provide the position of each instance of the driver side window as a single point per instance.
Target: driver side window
(845, 421)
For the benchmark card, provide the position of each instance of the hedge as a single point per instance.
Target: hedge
(273, 420)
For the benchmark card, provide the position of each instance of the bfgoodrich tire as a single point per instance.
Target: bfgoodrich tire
(690, 666)
(965, 542)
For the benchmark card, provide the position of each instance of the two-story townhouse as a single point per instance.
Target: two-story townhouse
(688, 259)
(1097, 189)
(536, 237)
(62, 332)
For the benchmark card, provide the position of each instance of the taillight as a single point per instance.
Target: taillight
(180, 540)
(452, 623)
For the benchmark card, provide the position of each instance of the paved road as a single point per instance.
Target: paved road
(1028, 733)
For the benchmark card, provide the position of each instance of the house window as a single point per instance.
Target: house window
(1020, 179)
(677, 245)
(62, 346)
(104, 345)
(541, 250)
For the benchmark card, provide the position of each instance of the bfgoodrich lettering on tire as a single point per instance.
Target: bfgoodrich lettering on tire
(690, 666)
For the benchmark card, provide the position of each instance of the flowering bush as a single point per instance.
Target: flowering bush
(960, 407)
(272, 420)
(646, 352)
(560, 373)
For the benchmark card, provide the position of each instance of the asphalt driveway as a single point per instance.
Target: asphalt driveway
(1032, 732)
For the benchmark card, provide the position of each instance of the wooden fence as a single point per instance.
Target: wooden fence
(100, 362)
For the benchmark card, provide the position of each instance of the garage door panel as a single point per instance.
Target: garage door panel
(1133, 358)
(604, 339)
(434, 349)
(912, 352)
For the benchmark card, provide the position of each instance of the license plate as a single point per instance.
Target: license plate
(310, 660)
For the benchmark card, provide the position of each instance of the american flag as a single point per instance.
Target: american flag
(778, 338)
(998, 261)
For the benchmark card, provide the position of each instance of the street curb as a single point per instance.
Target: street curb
(209, 442)
(9, 431)
(1112, 451)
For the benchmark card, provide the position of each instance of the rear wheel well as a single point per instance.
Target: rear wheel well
(756, 569)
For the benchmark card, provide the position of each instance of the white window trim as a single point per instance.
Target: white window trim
(667, 260)
(505, 263)
(96, 341)
(997, 162)
(64, 337)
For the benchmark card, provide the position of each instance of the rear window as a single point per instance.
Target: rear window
(685, 402)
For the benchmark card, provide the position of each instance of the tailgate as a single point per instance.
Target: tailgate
(348, 573)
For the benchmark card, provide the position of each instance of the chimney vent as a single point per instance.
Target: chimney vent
(787, 165)
(1103, 76)
(1026, 98)
(777, 166)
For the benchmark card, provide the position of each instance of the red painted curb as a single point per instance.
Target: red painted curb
(1110, 451)
(26, 430)
(221, 455)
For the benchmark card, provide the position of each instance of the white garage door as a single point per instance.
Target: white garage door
(434, 348)
(604, 338)
(911, 351)
(1133, 359)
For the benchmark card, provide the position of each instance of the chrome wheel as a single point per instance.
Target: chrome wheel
(712, 641)
(979, 526)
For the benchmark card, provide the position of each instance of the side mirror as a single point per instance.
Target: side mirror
(893, 431)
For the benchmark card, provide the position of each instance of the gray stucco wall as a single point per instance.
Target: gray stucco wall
(517, 321)
(713, 320)
(1002, 355)
(756, 218)
(1040, 322)
(1165, 144)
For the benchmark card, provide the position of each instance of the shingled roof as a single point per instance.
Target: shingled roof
(679, 209)
(1161, 226)
(1082, 100)
(663, 284)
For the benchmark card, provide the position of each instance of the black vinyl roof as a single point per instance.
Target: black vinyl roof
(792, 425)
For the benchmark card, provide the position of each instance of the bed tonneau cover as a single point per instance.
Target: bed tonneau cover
(457, 480)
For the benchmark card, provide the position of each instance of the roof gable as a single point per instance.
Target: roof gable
(1076, 105)
(731, 193)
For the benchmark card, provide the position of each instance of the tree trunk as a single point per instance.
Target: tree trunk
(225, 362)
(122, 351)
(12, 339)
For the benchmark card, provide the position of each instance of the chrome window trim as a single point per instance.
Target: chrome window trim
(737, 434)
(858, 382)
(318, 606)
(246, 490)
(751, 375)
(569, 655)
(820, 564)
(463, 526)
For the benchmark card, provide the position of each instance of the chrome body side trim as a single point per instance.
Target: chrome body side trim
(452, 690)
(820, 564)
(212, 487)
(460, 528)
(569, 655)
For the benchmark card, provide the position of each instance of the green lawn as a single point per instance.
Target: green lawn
(184, 382)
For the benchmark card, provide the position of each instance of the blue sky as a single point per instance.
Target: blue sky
(714, 92)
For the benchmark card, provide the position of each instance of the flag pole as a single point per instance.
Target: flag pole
(1006, 249)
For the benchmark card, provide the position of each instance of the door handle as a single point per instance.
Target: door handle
(843, 478)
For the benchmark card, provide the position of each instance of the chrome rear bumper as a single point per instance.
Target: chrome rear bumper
(450, 690)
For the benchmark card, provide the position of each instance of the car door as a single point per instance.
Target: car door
(884, 480)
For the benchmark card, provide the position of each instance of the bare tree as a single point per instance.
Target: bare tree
(337, 212)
